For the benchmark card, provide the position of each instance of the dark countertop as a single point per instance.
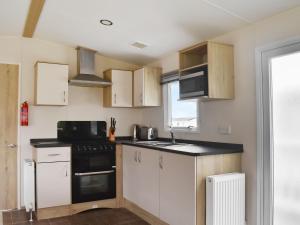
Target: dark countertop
(185, 147)
(189, 147)
(48, 143)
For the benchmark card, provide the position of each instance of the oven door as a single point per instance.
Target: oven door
(93, 186)
(91, 162)
(193, 85)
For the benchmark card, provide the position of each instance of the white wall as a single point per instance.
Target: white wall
(84, 103)
(240, 113)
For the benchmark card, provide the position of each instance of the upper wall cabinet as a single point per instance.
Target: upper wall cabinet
(119, 94)
(213, 61)
(51, 84)
(147, 88)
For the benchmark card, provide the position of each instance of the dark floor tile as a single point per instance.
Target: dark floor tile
(140, 222)
(19, 216)
(60, 221)
(91, 217)
(6, 218)
(121, 217)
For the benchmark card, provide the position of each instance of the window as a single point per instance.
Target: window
(179, 114)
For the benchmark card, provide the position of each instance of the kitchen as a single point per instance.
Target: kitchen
(86, 104)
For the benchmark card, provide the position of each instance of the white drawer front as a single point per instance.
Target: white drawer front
(53, 154)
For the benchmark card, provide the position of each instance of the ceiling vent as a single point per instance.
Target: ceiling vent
(139, 45)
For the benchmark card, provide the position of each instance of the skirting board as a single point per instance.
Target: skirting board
(67, 210)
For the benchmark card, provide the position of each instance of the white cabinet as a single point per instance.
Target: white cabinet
(177, 189)
(147, 88)
(130, 173)
(163, 184)
(51, 84)
(119, 94)
(148, 177)
(53, 184)
(141, 178)
(53, 176)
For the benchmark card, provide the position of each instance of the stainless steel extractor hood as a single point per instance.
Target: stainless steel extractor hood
(86, 70)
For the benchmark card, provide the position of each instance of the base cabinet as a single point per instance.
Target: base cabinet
(53, 176)
(141, 178)
(177, 188)
(53, 184)
(174, 182)
(163, 184)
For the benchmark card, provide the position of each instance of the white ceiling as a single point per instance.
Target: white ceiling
(164, 25)
(12, 16)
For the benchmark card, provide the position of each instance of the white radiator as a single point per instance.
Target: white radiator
(29, 185)
(225, 199)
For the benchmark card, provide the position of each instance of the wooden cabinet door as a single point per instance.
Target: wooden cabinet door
(53, 184)
(121, 88)
(51, 87)
(130, 173)
(138, 87)
(152, 86)
(148, 177)
(177, 189)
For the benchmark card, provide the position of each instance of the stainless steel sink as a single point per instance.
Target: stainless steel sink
(158, 143)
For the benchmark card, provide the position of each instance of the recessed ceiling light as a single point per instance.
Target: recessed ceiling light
(106, 22)
(139, 45)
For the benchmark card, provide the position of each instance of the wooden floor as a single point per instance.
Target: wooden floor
(94, 217)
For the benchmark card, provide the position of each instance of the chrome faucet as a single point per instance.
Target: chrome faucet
(172, 137)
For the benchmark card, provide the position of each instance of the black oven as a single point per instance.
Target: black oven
(93, 160)
(193, 85)
(93, 172)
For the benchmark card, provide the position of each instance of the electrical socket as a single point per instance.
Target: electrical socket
(224, 129)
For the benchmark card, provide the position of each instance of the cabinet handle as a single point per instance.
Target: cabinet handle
(115, 98)
(64, 96)
(135, 156)
(161, 162)
(140, 157)
(141, 98)
(54, 154)
(66, 171)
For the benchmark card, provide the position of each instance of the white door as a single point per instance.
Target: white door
(51, 84)
(121, 88)
(130, 173)
(53, 184)
(148, 177)
(177, 189)
(278, 135)
(138, 87)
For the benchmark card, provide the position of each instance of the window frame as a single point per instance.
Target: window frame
(167, 113)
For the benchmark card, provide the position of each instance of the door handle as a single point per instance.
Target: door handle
(115, 98)
(11, 146)
(94, 173)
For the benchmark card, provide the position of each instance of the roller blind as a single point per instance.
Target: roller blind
(169, 77)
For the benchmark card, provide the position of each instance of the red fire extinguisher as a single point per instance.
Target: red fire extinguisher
(24, 114)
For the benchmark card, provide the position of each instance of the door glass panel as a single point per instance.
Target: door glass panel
(94, 184)
(286, 127)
